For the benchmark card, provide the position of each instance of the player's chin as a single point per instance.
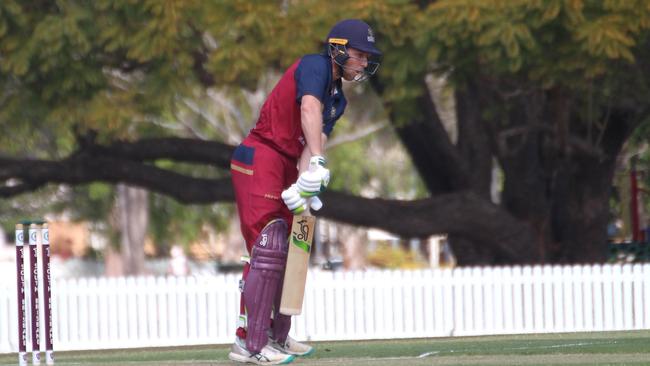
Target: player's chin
(350, 76)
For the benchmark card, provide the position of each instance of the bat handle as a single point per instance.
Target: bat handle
(315, 203)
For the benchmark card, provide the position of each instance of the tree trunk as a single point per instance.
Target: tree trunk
(475, 149)
(560, 185)
(581, 202)
(580, 213)
(133, 212)
(354, 247)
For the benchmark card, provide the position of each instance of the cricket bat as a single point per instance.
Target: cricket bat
(295, 274)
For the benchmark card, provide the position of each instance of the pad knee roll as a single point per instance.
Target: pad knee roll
(271, 247)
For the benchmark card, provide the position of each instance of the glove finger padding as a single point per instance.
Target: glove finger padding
(293, 200)
(311, 183)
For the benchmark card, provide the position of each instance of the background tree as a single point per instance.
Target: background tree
(550, 89)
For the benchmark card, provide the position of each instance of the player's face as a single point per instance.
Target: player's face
(355, 64)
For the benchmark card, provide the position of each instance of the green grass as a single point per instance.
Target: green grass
(602, 348)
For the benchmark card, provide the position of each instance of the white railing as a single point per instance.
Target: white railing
(146, 312)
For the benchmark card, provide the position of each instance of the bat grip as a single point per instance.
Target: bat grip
(315, 203)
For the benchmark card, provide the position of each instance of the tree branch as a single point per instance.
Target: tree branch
(127, 162)
(179, 149)
(463, 213)
(86, 168)
(132, 163)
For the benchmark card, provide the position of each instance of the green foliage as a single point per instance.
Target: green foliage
(33, 206)
(107, 64)
(553, 42)
(348, 161)
(173, 223)
(642, 134)
(93, 202)
(373, 166)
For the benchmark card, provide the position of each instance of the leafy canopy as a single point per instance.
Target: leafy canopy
(110, 65)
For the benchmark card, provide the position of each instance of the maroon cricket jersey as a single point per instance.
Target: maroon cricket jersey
(279, 124)
(264, 164)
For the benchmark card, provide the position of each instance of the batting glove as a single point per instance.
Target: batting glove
(315, 179)
(295, 203)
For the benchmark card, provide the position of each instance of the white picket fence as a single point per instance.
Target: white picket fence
(169, 311)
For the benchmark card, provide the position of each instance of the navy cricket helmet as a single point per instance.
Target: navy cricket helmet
(354, 33)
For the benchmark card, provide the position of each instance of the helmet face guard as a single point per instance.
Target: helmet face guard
(340, 55)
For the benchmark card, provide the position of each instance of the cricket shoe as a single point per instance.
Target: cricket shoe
(267, 356)
(292, 347)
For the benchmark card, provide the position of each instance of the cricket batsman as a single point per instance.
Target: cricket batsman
(277, 168)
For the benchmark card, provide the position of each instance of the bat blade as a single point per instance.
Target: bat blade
(295, 275)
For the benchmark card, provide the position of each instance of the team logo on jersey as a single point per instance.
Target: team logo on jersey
(371, 36)
(333, 112)
(265, 239)
(271, 196)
